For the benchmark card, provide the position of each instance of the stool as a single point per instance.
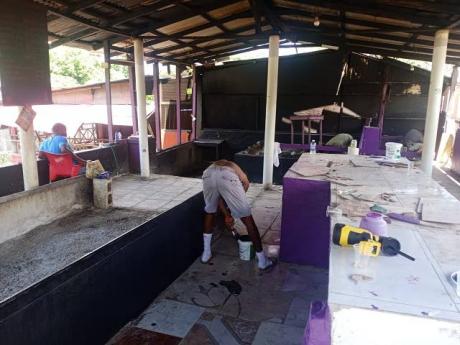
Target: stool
(309, 118)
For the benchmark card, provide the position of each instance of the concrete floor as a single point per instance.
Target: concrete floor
(229, 301)
(47, 249)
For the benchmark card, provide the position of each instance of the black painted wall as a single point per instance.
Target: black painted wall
(234, 94)
(91, 299)
(113, 159)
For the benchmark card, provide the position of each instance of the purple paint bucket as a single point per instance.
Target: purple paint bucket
(375, 223)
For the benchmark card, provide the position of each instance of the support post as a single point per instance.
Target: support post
(132, 97)
(156, 99)
(194, 96)
(141, 107)
(270, 113)
(29, 160)
(434, 99)
(178, 125)
(108, 90)
(384, 97)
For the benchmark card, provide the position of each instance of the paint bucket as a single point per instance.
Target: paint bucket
(246, 248)
(353, 151)
(375, 223)
(393, 150)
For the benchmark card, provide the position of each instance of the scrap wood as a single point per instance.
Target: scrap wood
(356, 278)
(344, 183)
(361, 163)
(312, 171)
(391, 197)
(362, 197)
(441, 211)
(354, 208)
(418, 208)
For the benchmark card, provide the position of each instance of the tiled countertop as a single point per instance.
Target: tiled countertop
(420, 288)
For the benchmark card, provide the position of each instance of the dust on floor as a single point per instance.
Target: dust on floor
(45, 250)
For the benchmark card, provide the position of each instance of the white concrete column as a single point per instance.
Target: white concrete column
(434, 99)
(141, 107)
(270, 112)
(29, 159)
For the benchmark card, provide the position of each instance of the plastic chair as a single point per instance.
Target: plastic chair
(61, 166)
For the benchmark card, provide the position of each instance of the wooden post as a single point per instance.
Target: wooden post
(132, 97)
(108, 90)
(178, 94)
(156, 99)
(434, 99)
(384, 98)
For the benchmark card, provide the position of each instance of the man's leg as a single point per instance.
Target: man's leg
(211, 198)
(234, 195)
(262, 261)
(209, 219)
(253, 232)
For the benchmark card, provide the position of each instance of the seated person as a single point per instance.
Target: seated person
(341, 140)
(58, 144)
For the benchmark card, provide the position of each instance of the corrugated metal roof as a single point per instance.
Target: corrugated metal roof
(396, 28)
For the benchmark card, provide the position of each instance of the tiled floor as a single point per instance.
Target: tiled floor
(229, 301)
(156, 193)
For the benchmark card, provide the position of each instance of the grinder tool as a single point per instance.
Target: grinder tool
(347, 235)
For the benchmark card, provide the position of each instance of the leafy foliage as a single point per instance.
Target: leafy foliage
(72, 67)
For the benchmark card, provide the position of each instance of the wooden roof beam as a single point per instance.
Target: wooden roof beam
(384, 36)
(397, 54)
(172, 20)
(88, 23)
(205, 15)
(379, 10)
(129, 15)
(159, 58)
(184, 33)
(82, 4)
(257, 11)
(376, 26)
(270, 14)
(233, 35)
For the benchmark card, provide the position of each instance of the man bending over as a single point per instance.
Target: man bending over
(225, 179)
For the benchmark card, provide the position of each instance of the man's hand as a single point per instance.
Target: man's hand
(229, 222)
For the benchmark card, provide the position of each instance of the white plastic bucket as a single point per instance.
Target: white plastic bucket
(393, 150)
(245, 248)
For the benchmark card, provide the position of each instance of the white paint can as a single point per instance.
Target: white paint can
(393, 150)
(246, 249)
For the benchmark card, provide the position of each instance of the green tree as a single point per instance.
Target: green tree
(72, 67)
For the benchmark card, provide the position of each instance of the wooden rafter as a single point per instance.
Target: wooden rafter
(400, 27)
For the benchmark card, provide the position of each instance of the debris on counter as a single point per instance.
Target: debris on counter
(357, 278)
(390, 197)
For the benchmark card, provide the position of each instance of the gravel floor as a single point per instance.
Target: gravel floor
(28, 259)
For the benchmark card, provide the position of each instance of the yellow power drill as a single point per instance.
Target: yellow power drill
(347, 235)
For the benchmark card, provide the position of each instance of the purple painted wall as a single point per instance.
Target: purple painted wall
(305, 227)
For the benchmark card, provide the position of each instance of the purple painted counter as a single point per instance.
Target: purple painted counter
(305, 227)
(319, 148)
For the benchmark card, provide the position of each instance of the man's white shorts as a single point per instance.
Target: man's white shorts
(223, 182)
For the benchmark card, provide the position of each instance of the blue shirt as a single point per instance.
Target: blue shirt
(54, 144)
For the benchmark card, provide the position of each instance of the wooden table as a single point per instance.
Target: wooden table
(215, 143)
(309, 118)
